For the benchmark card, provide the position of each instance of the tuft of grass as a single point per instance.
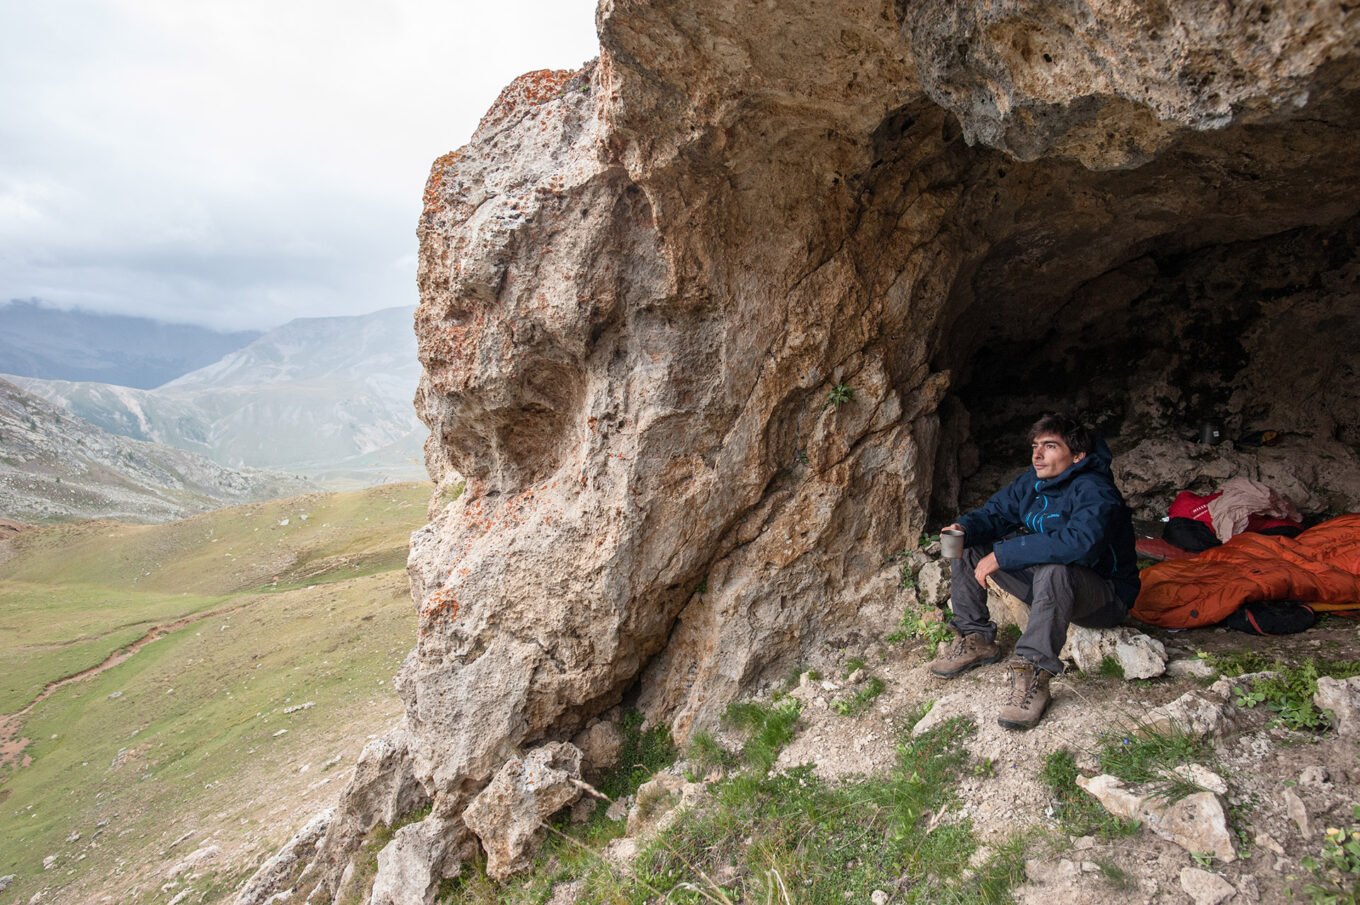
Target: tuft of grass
(1148, 756)
(860, 699)
(1113, 873)
(706, 754)
(770, 728)
(853, 664)
(1077, 813)
(1110, 668)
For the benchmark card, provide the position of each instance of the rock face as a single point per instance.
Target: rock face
(702, 323)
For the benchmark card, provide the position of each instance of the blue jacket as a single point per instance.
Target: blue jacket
(1077, 518)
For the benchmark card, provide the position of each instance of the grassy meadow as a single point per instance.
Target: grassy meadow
(276, 629)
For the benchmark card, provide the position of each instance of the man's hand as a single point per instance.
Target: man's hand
(954, 527)
(986, 566)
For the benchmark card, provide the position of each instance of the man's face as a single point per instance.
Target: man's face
(1051, 456)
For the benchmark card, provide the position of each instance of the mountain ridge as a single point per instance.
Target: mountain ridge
(329, 398)
(45, 342)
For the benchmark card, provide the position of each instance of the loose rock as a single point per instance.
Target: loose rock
(1197, 823)
(1205, 888)
(508, 814)
(1341, 698)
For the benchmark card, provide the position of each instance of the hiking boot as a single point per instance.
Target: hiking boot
(1029, 695)
(965, 653)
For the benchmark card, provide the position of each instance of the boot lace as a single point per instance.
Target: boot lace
(1030, 688)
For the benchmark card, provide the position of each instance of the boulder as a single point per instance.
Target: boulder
(1207, 712)
(1189, 668)
(1139, 656)
(660, 800)
(932, 583)
(276, 874)
(507, 816)
(600, 745)
(191, 861)
(697, 322)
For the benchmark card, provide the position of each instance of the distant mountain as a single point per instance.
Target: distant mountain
(54, 467)
(329, 398)
(51, 343)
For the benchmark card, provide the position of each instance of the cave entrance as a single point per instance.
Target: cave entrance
(1219, 284)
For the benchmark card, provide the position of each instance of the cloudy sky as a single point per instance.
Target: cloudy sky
(239, 164)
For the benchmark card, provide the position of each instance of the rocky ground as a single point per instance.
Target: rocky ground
(1283, 788)
(1268, 793)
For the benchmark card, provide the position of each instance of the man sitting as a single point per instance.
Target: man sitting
(1072, 561)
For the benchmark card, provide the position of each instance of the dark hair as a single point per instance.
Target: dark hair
(1069, 429)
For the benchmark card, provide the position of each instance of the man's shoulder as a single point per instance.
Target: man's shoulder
(1095, 483)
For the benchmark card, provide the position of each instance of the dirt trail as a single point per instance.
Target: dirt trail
(12, 745)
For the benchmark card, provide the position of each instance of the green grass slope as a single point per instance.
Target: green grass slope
(299, 603)
(71, 595)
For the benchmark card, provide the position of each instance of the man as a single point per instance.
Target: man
(1072, 560)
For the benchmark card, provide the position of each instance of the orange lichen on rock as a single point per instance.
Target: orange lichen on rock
(432, 185)
(441, 603)
(529, 90)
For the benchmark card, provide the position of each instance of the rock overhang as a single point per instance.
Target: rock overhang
(700, 322)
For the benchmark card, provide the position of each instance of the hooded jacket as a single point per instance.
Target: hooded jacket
(1075, 518)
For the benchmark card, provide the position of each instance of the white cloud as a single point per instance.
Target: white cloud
(244, 163)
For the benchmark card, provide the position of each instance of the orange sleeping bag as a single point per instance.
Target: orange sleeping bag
(1320, 566)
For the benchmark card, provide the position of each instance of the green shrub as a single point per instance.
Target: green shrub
(839, 395)
(1288, 690)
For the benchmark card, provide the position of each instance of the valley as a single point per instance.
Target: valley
(232, 666)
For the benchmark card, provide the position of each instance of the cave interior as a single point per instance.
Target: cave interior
(1218, 284)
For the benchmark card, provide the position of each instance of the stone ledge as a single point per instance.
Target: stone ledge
(1139, 656)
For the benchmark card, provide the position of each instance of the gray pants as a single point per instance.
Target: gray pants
(1057, 595)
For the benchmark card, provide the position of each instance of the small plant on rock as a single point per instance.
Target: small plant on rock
(1287, 690)
(839, 395)
(926, 624)
(1110, 668)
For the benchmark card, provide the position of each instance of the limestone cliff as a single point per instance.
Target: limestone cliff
(704, 325)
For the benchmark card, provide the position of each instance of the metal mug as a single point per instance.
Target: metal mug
(951, 544)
